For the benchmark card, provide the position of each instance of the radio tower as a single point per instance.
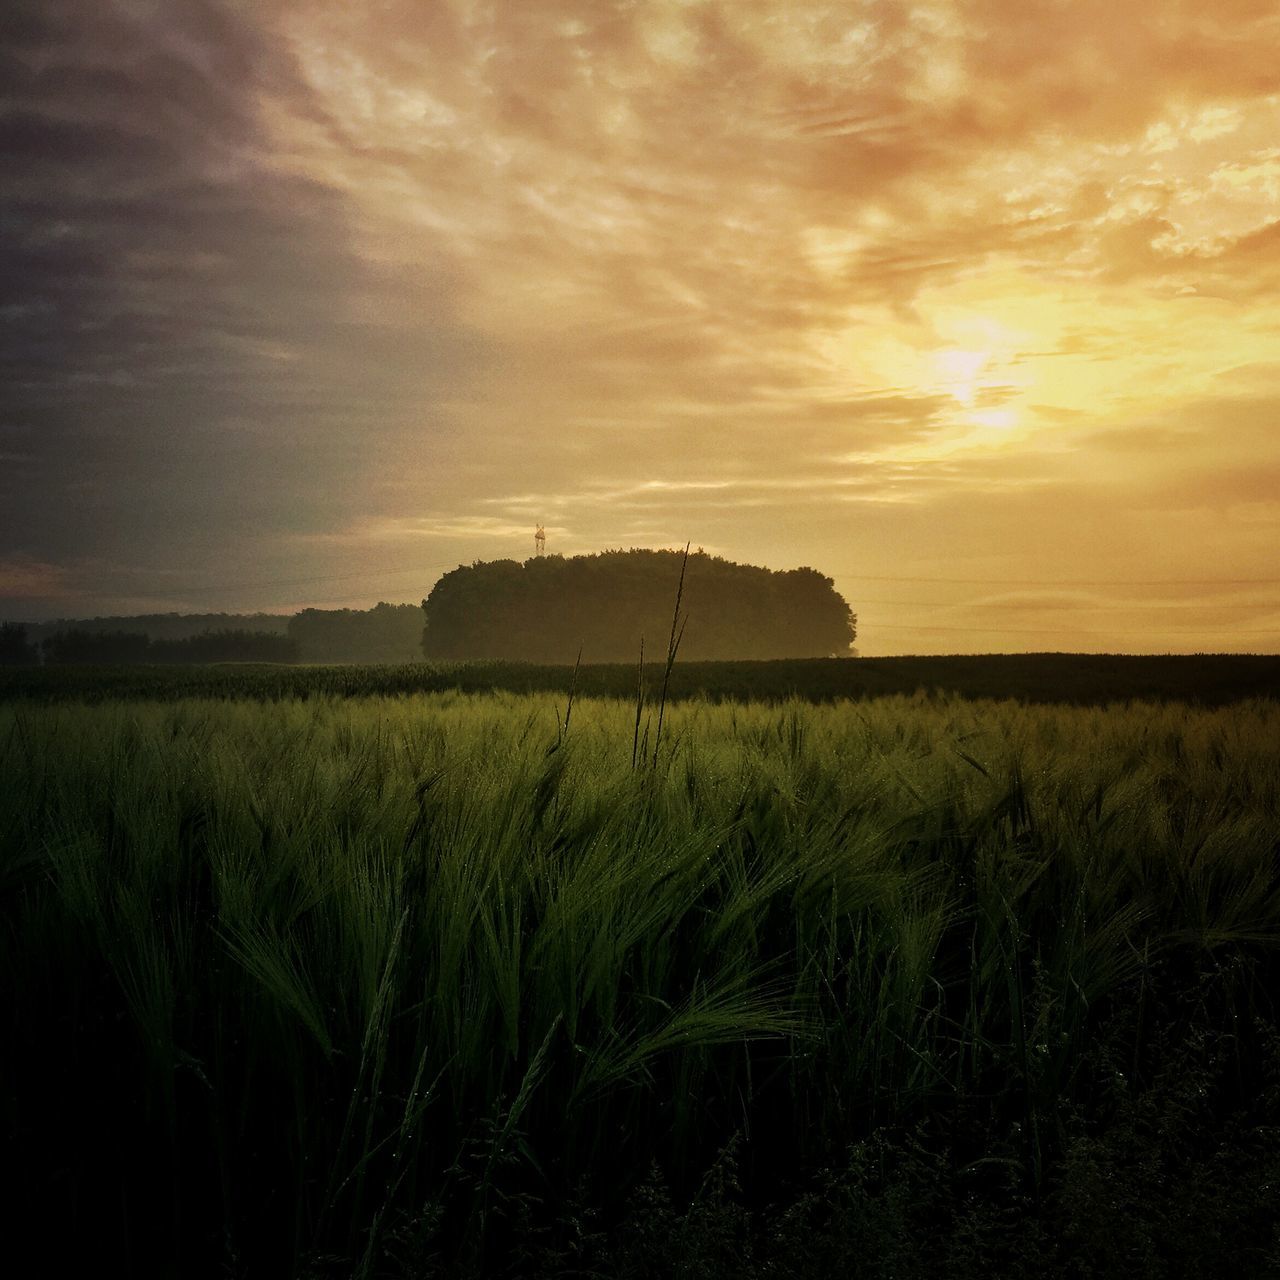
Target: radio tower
(540, 542)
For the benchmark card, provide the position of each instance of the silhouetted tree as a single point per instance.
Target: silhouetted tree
(16, 650)
(542, 610)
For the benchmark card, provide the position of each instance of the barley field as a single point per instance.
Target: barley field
(519, 984)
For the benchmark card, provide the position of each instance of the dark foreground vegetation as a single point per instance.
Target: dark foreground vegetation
(447, 985)
(1080, 679)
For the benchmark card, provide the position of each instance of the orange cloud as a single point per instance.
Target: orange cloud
(960, 287)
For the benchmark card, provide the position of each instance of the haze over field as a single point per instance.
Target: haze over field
(972, 306)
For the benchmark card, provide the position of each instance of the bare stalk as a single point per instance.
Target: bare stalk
(673, 645)
(573, 688)
(635, 736)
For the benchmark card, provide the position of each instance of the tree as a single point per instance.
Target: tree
(544, 609)
(385, 633)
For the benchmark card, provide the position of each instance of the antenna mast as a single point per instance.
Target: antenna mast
(540, 542)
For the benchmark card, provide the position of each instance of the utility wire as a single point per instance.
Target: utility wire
(211, 589)
(1066, 630)
(1074, 608)
(1063, 582)
(858, 577)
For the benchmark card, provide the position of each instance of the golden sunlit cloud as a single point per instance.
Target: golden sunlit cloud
(876, 239)
(994, 419)
(956, 290)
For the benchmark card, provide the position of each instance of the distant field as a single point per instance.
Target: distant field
(438, 985)
(1081, 679)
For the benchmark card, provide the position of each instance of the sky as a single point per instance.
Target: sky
(973, 305)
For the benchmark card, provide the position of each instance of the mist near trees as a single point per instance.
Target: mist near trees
(548, 608)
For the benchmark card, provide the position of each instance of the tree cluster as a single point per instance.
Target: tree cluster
(547, 608)
(385, 633)
(108, 648)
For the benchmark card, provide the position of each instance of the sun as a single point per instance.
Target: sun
(958, 373)
(972, 377)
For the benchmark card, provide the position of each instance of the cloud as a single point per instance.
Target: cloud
(197, 352)
(285, 290)
(22, 578)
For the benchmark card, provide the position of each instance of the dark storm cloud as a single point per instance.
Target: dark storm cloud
(191, 351)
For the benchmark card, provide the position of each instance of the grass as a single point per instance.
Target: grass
(432, 983)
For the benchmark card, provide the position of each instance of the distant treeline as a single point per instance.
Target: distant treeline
(541, 611)
(16, 647)
(547, 608)
(385, 633)
(163, 626)
(105, 648)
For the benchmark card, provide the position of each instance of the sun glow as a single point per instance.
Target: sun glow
(959, 373)
(997, 419)
(968, 377)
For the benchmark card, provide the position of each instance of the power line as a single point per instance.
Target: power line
(1065, 630)
(1083, 608)
(1064, 582)
(211, 589)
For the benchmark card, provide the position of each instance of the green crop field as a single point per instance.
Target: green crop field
(502, 984)
(1075, 678)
